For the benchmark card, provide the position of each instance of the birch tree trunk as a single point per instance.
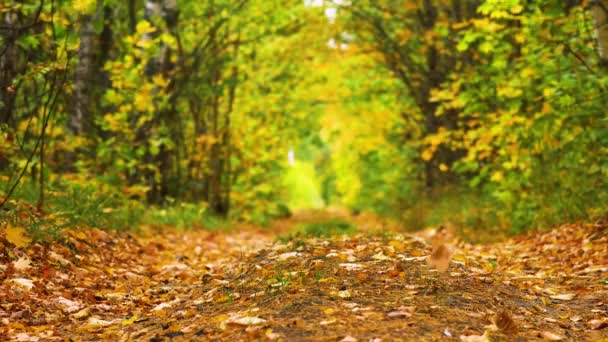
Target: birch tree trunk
(81, 116)
(599, 12)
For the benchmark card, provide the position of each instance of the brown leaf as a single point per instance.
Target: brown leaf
(504, 322)
(551, 336)
(440, 257)
(597, 324)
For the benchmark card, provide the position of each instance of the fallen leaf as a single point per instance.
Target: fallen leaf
(17, 236)
(327, 322)
(344, 294)
(175, 267)
(564, 296)
(597, 324)
(551, 336)
(380, 256)
(402, 312)
(351, 266)
(246, 321)
(97, 322)
(23, 337)
(399, 314)
(24, 283)
(475, 338)
(288, 255)
(129, 321)
(68, 306)
(84, 313)
(22, 263)
(161, 306)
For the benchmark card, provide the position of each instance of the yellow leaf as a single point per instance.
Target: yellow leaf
(160, 81)
(517, 9)
(427, 154)
(497, 177)
(144, 27)
(17, 236)
(130, 320)
(443, 167)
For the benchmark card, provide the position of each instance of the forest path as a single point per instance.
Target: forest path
(245, 284)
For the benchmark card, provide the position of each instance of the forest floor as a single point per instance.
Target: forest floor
(377, 284)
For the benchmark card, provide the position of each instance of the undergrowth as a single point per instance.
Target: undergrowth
(324, 229)
(74, 205)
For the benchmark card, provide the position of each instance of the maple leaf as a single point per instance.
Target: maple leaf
(17, 236)
(22, 263)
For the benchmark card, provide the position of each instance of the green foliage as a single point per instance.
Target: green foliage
(183, 216)
(395, 104)
(71, 204)
(323, 229)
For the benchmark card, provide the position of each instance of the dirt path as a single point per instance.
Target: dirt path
(245, 285)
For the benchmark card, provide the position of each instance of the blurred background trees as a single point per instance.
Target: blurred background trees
(474, 112)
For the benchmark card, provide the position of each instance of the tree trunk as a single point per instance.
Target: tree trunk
(8, 68)
(81, 117)
(9, 59)
(599, 12)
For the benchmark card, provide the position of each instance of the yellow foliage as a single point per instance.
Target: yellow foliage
(144, 27)
(17, 236)
(83, 6)
(497, 177)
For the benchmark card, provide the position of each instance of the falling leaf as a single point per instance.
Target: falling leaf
(504, 322)
(564, 296)
(440, 257)
(17, 236)
(22, 263)
(551, 336)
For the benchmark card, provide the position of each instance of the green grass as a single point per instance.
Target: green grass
(324, 229)
(183, 216)
(74, 205)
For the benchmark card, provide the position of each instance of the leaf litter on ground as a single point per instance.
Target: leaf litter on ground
(247, 285)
